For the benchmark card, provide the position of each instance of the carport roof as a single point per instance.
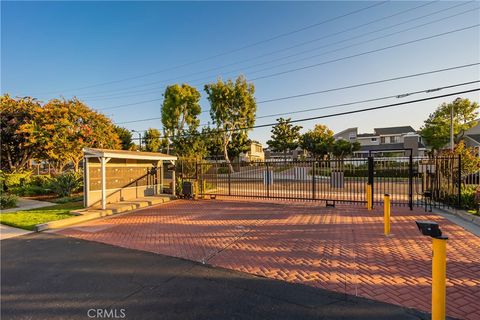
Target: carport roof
(125, 154)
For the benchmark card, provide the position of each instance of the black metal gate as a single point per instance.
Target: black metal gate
(410, 181)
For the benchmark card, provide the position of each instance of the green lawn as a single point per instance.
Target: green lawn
(29, 218)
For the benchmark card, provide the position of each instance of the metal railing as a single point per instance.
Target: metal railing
(410, 181)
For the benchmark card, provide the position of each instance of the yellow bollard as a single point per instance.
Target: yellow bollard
(369, 196)
(439, 267)
(439, 274)
(386, 214)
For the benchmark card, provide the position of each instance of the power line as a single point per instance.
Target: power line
(342, 104)
(130, 93)
(346, 57)
(301, 44)
(234, 50)
(341, 113)
(367, 52)
(370, 100)
(321, 91)
(370, 83)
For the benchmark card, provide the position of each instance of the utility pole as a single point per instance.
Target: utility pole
(452, 143)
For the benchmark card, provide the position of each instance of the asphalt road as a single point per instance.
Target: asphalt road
(47, 276)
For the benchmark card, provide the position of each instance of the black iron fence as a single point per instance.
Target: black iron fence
(410, 181)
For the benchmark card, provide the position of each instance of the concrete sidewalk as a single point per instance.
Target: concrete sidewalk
(55, 277)
(7, 232)
(27, 204)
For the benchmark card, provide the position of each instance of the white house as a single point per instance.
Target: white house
(396, 141)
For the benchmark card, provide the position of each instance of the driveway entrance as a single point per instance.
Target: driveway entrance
(342, 249)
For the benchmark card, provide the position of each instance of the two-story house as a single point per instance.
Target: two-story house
(472, 137)
(254, 154)
(391, 141)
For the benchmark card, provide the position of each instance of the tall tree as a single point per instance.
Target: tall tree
(191, 144)
(152, 140)
(285, 136)
(64, 127)
(319, 141)
(17, 147)
(232, 110)
(125, 137)
(213, 141)
(180, 110)
(436, 129)
(343, 148)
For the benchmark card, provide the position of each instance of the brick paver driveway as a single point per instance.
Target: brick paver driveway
(341, 249)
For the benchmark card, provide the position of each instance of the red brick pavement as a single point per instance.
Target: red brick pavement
(341, 249)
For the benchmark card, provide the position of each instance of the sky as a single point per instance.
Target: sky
(118, 57)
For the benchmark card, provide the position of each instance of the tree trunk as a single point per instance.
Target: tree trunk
(76, 164)
(227, 159)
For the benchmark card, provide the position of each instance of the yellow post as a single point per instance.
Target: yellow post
(439, 274)
(369, 196)
(386, 214)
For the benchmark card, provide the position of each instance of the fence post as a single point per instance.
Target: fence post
(410, 182)
(459, 181)
(313, 180)
(371, 168)
(266, 178)
(229, 182)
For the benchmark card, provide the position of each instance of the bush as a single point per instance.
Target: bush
(468, 197)
(7, 201)
(13, 180)
(29, 190)
(41, 180)
(178, 185)
(66, 183)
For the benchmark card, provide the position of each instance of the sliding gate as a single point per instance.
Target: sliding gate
(409, 181)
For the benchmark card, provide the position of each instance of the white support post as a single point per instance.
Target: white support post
(86, 182)
(173, 183)
(161, 176)
(103, 162)
(173, 179)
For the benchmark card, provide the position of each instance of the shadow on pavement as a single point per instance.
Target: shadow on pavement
(47, 276)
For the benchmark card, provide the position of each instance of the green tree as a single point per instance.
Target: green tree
(191, 144)
(64, 127)
(180, 110)
(343, 148)
(125, 137)
(233, 110)
(213, 141)
(436, 129)
(470, 159)
(240, 143)
(285, 136)
(17, 146)
(319, 141)
(152, 140)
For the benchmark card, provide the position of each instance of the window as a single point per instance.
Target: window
(373, 139)
(394, 139)
(382, 140)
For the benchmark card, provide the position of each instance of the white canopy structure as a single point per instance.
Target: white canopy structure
(131, 172)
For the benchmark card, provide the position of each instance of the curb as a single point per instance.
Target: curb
(84, 215)
(464, 216)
